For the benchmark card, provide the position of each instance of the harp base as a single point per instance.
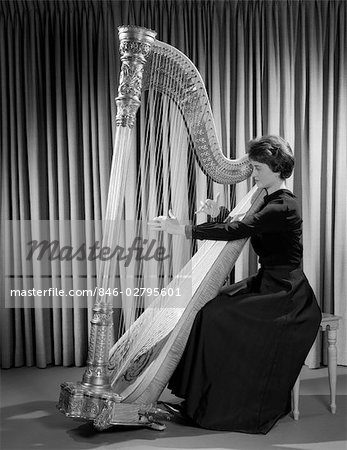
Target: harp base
(105, 408)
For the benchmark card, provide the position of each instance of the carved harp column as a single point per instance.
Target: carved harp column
(93, 398)
(135, 46)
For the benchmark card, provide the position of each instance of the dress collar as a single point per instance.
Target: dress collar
(276, 194)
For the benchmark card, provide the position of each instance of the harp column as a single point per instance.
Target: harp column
(93, 398)
(135, 46)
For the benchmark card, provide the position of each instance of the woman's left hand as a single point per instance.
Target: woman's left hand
(210, 207)
(169, 224)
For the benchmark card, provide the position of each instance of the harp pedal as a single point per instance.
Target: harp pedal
(130, 414)
(106, 409)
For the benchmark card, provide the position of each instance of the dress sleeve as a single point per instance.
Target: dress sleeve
(273, 217)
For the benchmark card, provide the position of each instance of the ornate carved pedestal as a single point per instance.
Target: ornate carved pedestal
(105, 408)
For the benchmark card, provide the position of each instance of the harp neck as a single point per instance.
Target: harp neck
(148, 64)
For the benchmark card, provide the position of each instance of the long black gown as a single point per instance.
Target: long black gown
(247, 346)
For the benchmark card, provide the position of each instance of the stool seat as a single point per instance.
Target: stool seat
(330, 324)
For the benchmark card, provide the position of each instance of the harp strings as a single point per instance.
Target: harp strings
(165, 179)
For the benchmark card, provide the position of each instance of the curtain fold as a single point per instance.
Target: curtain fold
(270, 67)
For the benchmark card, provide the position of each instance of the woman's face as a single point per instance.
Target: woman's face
(264, 176)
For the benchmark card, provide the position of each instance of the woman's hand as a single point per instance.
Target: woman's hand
(210, 207)
(169, 223)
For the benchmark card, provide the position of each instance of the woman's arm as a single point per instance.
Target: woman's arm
(273, 217)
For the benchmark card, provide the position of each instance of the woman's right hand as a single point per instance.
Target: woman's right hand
(210, 207)
(169, 223)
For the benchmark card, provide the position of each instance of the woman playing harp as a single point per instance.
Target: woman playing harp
(247, 346)
(122, 381)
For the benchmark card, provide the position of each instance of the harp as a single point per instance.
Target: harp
(122, 382)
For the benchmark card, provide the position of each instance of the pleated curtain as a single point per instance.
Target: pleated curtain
(270, 67)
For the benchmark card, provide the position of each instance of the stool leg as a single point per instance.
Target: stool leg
(295, 394)
(332, 363)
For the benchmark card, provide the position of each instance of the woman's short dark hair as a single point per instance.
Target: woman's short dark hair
(273, 151)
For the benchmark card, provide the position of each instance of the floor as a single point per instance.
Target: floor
(30, 420)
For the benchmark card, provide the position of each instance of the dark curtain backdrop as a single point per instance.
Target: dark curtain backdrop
(269, 67)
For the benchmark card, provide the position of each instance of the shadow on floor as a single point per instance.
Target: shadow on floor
(40, 425)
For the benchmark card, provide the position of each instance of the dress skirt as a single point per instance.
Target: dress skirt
(245, 352)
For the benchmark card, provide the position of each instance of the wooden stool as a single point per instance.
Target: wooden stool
(329, 323)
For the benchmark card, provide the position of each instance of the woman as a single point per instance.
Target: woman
(247, 346)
